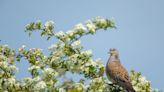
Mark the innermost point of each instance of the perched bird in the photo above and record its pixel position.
(116, 73)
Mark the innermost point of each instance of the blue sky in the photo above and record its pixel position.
(139, 36)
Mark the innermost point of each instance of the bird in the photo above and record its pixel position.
(116, 72)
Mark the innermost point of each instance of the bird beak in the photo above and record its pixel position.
(108, 52)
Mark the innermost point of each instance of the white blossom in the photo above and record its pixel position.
(90, 62)
(33, 67)
(11, 81)
(4, 65)
(80, 87)
(49, 71)
(88, 52)
(22, 48)
(6, 45)
(36, 79)
(91, 27)
(13, 67)
(62, 90)
(134, 82)
(60, 34)
(80, 27)
(49, 24)
(76, 43)
(101, 21)
(53, 47)
(74, 56)
(86, 69)
(40, 85)
(70, 33)
(99, 63)
(142, 79)
(37, 24)
(70, 64)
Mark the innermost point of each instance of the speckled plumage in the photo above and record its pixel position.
(117, 73)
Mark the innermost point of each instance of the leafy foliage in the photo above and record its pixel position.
(65, 55)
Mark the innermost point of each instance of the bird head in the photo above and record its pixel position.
(113, 52)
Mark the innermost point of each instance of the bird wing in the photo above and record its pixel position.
(119, 73)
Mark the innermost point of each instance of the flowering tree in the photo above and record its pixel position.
(66, 55)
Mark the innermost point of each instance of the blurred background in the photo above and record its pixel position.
(139, 36)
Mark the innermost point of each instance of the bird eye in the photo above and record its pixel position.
(112, 49)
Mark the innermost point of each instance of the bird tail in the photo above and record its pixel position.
(130, 88)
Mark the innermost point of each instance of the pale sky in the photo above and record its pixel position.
(139, 36)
